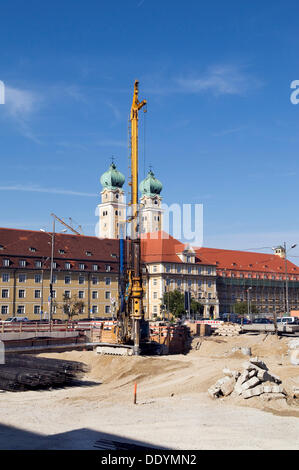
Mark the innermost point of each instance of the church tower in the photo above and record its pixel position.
(150, 204)
(112, 210)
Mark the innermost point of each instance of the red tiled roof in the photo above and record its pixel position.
(233, 260)
(162, 247)
(18, 244)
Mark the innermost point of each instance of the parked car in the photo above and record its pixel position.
(262, 321)
(15, 319)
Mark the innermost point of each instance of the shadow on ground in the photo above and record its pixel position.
(12, 438)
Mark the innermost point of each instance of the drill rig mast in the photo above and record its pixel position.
(130, 314)
(134, 271)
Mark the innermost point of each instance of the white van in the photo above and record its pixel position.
(287, 320)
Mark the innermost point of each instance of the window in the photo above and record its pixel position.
(32, 249)
(189, 283)
(107, 267)
(81, 294)
(36, 310)
(37, 294)
(179, 283)
(155, 282)
(107, 281)
(88, 253)
(199, 270)
(155, 309)
(4, 309)
(54, 278)
(209, 271)
(95, 267)
(107, 309)
(167, 268)
(67, 265)
(38, 264)
(189, 270)
(6, 262)
(81, 279)
(67, 294)
(209, 284)
(67, 279)
(94, 309)
(62, 252)
(54, 264)
(155, 269)
(94, 280)
(5, 293)
(21, 294)
(81, 266)
(54, 294)
(38, 278)
(22, 277)
(107, 295)
(155, 295)
(21, 309)
(22, 263)
(5, 277)
(94, 294)
(179, 269)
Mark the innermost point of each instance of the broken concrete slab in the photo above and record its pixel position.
(228, 386)
(253, 392)
(251, 383)
(256, 361)
(294, 357)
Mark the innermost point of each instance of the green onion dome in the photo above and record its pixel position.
(112, 178)
(150, 186)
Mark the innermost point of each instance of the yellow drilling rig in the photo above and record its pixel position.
(131, 333)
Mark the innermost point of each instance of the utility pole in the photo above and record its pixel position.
(51, 272)
(248, 303)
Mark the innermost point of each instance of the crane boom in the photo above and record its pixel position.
(65, 224)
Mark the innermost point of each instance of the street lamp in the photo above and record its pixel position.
(286, 274)
(248, 302)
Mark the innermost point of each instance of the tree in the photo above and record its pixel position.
(174, 302)
(241, 308)
(72, 306)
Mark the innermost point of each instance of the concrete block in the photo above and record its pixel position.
(274, 389)
(228, 386)
(250, 383)
(294, 357)
(232, 373)
(256, 361)
(273, 396)
(214, 392)
(294, 344)
(252, 392)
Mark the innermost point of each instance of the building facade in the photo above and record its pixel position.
(84, 268)
(263, 280)
(171, 265)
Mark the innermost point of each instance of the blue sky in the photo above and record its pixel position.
(220, 128)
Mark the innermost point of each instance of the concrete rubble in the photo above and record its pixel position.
(255, 380)
(228, 329)
(293, 351)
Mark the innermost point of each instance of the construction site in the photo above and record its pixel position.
(132, 383)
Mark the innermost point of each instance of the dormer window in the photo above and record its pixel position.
(62, 252)
(22, 263)
(88, 253)
(32, 249)
(81, 266)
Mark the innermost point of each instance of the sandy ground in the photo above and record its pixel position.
(173, 408)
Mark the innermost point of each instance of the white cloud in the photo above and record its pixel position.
(19, 187)
(20, 103)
